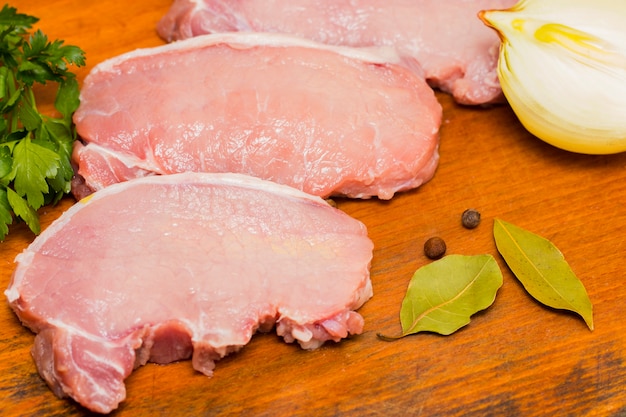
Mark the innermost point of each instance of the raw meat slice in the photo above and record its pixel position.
(327, 120)
(168, 267)
(457, 51)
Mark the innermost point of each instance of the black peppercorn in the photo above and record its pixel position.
(470, 218)
(434, 248)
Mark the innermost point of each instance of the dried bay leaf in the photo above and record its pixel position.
(443, 295)
(541, 268)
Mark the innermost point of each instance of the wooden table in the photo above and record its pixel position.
(517, 358)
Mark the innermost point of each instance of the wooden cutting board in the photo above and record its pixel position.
(517, 358)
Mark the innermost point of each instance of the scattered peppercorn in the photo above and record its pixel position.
(470, 218)
(434, 248)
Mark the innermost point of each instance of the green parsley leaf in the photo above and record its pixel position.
(67, 101)
(10, 17)
(6, 162)
(5, 213)
(22, 209)
(33, 164)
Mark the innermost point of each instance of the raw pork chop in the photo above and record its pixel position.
(169, 267)
(327, 120)
(457, 51)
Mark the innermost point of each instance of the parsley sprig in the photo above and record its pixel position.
(35, 149)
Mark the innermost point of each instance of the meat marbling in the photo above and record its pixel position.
(457, 52)
(324, 119)
(168, 267)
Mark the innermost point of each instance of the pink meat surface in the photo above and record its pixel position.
(457, 52)
(186, 265)
(324, 119)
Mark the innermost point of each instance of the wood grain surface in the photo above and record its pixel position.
(517, 358)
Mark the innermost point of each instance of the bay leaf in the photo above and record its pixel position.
(443, 295)
(542, 269)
